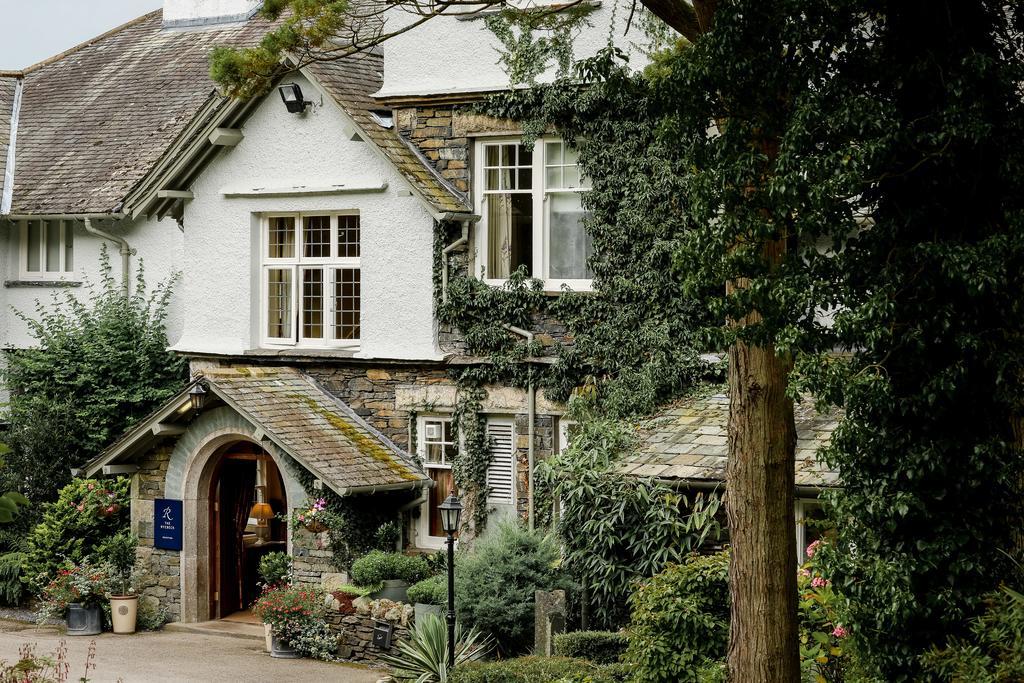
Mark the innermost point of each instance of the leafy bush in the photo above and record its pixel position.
(355, 591)
(151, 616)
(995, 651)
(12, 588)
(275, 569)
(680, 620)
(430, 591)
(538, 670)
(296, 615)
(118, 553)
(86, 513)
(496, 581)
(98, 367)
(617, 529)
(424, 657)
(600, 647)
(823, 651)
(377, 566)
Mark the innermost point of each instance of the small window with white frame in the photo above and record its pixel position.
(311, 279)
(437, 448)
(810, 517)
(532, 212)
(47, 250)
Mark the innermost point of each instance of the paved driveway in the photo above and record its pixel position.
(175, 656)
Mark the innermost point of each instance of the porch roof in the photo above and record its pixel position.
(688, 442)
(314, 427)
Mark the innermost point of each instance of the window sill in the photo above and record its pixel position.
(553, 287)
(15, 284)
(341, 352)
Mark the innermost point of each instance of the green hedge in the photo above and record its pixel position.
(377, 566)
(600, 647)
(539, 670)
(432, 591)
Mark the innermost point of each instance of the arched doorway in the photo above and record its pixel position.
(246, 493)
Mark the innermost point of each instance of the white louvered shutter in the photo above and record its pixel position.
(501, 473)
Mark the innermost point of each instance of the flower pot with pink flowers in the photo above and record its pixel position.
(294, 614)
(313, 516)
(77, 594)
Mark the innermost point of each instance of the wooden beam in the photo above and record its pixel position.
(165, 429)
(174, 194)
(225, 137)
(120, 469)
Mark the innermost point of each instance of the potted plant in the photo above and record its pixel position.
(291, 612)
(390, 574)
(119, 552)
(312, 516)
(275, 571)
(76, 593)
(429, 596)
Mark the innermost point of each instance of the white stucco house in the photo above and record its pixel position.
(311, 246)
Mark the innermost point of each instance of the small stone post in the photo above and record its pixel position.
(549, 620)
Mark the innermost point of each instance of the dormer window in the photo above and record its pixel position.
(532, 213)
(311, 280)
(47, 250)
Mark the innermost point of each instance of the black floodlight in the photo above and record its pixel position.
(291, 95)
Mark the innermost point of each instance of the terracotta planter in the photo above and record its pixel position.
(124, 611)
(282, 649)
(85, 620)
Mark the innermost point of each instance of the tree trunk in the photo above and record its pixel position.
(759, 502)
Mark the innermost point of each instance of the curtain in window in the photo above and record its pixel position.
(509, 233)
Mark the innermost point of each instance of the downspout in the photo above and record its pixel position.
(444, 259)
(126, 252)
(531, 411)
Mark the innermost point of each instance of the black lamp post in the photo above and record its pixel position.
(451, 510)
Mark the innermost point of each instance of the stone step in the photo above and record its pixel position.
(230, 629)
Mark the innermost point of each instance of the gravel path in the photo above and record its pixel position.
(175, 656)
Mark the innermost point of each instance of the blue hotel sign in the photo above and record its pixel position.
(167, 523)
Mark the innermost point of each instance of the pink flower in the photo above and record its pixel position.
(840, 632)
(805, 572)
(80, 507)
(92, 487)
(818, 582)
(813, 548)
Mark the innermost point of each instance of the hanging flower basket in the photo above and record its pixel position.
(314, 526)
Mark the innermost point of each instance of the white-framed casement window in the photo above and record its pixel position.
(310, 288)
(501, 473)
(47, 250)
(437, 449)
(532, 213)
(809, 515)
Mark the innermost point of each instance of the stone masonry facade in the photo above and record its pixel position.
(160, 570)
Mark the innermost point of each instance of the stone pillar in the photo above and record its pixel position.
(549, 621)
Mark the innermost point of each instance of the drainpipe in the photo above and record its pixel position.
(125, 249)
(444, 259)
(531, 411)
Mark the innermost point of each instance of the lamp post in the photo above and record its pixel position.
(451, 510)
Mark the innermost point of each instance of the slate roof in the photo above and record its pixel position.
(311, 425)
(688, 442)
(96, 118)
(315, 427)
(351, 82)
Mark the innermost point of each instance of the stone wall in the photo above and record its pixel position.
(355, 628)
(159, 570)
(312, 558)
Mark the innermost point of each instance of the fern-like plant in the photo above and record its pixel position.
(424, 657)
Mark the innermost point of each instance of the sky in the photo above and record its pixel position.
(33, 30)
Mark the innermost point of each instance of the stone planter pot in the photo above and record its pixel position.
(393, 590)
(423, 609)
(282, 649)
(84, 620)
(124, 611)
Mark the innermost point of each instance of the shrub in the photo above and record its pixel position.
(118, 553)
(538, 670)
(994, 653)
(12, 588)
(823, 647)
(377, 566)
(296, 615)
(496, 582)
(617, 529)
(600, 647)
(86, 513)
(424, 657)
(430, 591)
(151, 616)
(680, 620)
(98, 367)
(275, 569)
